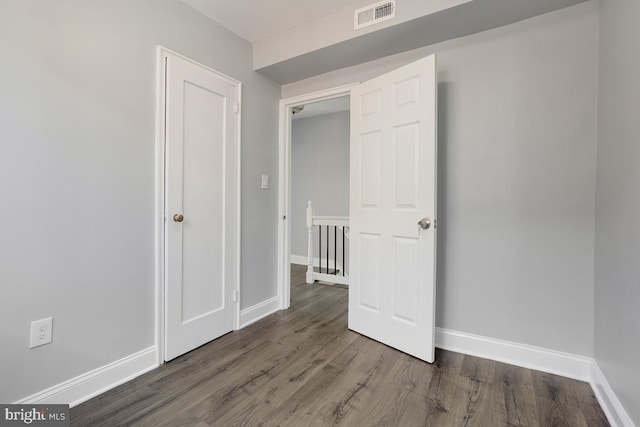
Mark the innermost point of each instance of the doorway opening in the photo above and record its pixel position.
(320, 136)
(392, 205)
(292, 232)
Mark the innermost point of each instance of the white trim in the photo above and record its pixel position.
(331, 278)
(302, 260)
(159, 208)
(162, 54)
(613, 409)
(541, 359)
(262, 309)
(284, 183)
(90, 384)
(528, 356)
(338, 221)
(236, 323)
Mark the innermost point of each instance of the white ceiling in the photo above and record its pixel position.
(323, 107)
(257, 19)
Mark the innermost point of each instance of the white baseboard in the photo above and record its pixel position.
(93, 383)
(254, 313)
(616, 414)
(541, 359)
(90, 384)
(302, 260)
(527, 356)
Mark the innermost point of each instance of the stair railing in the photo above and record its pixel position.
(338, 226)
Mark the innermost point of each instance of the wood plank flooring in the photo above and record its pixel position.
(303, 367)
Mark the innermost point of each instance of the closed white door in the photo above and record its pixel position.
(201, 212)
(393, 208)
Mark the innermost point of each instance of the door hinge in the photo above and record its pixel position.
(236, 107)
(234, 296)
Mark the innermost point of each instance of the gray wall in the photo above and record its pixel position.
(77, 125)
(617, 267)
(517, 137)
(319, 171)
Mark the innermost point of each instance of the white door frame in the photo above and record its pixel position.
(160, 238)
(284, 183)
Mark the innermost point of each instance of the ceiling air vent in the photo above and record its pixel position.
(373, 14)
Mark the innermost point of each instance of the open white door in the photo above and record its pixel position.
(201, 204)
(393, 208)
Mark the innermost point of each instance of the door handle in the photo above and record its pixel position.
(424, 223)
(178, 218)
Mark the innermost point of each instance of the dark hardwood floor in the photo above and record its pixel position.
(303, 367)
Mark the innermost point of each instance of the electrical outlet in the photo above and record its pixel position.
(41, 332)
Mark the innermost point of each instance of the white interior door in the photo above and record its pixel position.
(201, 205)
(393, 188)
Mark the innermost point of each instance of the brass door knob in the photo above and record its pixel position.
(178, 218)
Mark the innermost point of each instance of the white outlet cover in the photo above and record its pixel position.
(41, 332)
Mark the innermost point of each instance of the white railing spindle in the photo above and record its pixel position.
(310, 242)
